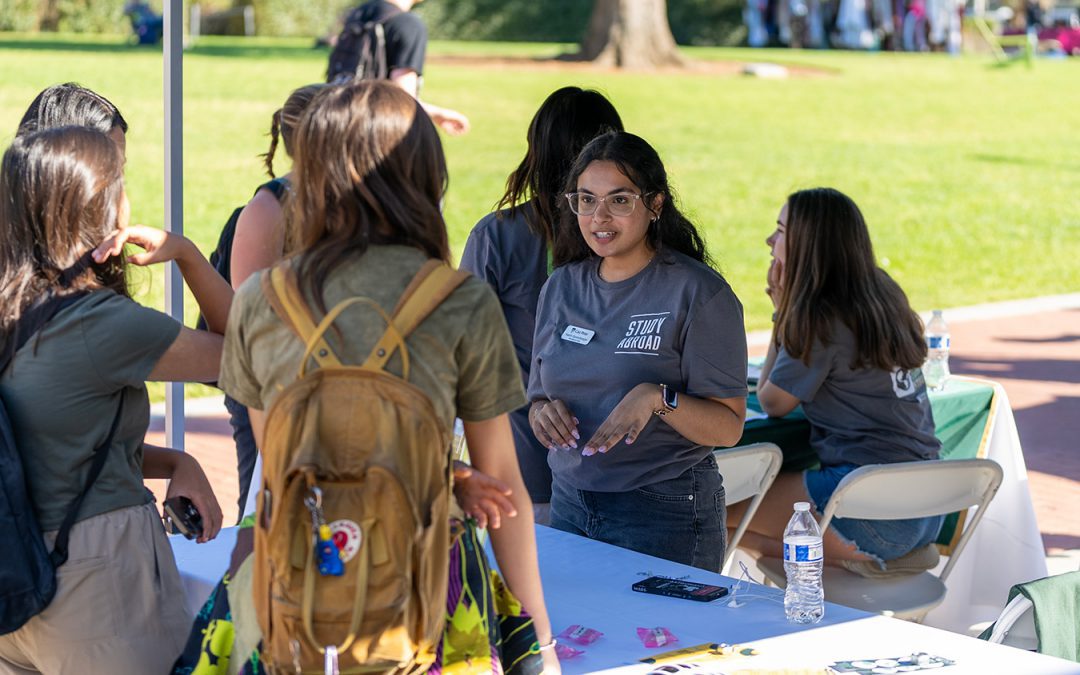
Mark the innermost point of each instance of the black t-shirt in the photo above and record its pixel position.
(406, 34)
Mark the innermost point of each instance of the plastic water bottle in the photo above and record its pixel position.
(936, 370)
(804, 599)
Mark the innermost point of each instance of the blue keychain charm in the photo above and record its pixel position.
(327, 556)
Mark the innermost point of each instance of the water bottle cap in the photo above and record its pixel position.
(802, 506)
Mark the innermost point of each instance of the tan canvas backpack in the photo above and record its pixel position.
(356, 475)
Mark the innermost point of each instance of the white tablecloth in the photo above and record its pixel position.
(1007, 547)
(588, 583)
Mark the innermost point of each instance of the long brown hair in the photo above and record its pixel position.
(284, 120)
(60, 196)
(830, 274)
(567, 120)
(368, 169)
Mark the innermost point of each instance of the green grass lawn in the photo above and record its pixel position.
(968, 174)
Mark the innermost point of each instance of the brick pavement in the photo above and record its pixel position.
(1032, 348)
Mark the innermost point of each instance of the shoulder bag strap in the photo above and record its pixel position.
(32, 321)
(59, 553)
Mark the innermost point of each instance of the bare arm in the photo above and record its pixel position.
(716, 422)
(450, 121)
(774, 401)
(186, 479)
(491, 446)
(259, 241)
(195, 356)
(704, 421)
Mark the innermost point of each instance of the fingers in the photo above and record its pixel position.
(559, 424)
(207, 506)
(112, 246)
(462, 471)
(480, 516)
(610, 433)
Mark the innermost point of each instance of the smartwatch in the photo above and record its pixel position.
(669, 399)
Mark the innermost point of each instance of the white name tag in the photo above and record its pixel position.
(582, 336)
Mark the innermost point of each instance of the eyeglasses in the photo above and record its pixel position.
(618, 204)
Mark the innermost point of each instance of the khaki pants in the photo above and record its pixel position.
(119, 607)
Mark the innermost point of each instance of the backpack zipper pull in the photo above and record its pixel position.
(330, 661)
(327, 556)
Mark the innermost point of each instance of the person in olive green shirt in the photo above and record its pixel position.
(118, 606)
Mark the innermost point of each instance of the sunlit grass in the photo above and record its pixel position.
(968, 174)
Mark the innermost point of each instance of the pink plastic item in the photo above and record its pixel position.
(656, 637)
(581, 635)
(564, 652)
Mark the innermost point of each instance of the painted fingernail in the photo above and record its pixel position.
(588, 452)
(573, 445)
(603, 448)
(575, 433)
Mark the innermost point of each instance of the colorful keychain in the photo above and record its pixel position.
(327, 555)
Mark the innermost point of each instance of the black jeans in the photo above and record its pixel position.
(246, 451)
(682, 519)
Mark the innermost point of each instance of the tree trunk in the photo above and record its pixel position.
(49, 18)
(630, 34)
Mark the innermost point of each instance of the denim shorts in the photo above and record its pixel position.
(879, 539)
(681, 519)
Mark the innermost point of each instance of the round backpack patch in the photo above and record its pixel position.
(347, 537)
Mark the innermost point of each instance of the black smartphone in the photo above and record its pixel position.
(181, 517)
(677, 588)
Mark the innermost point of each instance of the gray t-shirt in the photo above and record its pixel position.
(62, 392)
(676, 322)
(858, 416)
(504, 252)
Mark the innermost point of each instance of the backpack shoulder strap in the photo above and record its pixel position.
(59, 553)
(432, 284)
(32, 320)
(280, 289)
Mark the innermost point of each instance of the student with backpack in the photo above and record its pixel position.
(511, 248)
(254, 239)
(384, 40)
(355, 532)
(75, 396)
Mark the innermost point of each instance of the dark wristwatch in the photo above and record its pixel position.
(670, 400)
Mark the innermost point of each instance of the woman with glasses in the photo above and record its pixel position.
(639, 363)
(511, 248)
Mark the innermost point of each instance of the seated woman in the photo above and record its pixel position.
(639, 356)
(362, 220)
(80, 382)
(848, 347)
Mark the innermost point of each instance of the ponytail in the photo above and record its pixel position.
(275, 133)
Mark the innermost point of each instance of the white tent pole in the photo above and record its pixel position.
(174, 197)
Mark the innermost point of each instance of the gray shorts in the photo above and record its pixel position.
(119, 604)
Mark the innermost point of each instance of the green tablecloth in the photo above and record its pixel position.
(961, 411)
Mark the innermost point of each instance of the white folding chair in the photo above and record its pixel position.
(748, 471)
(894, 492)
(1016, 625)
